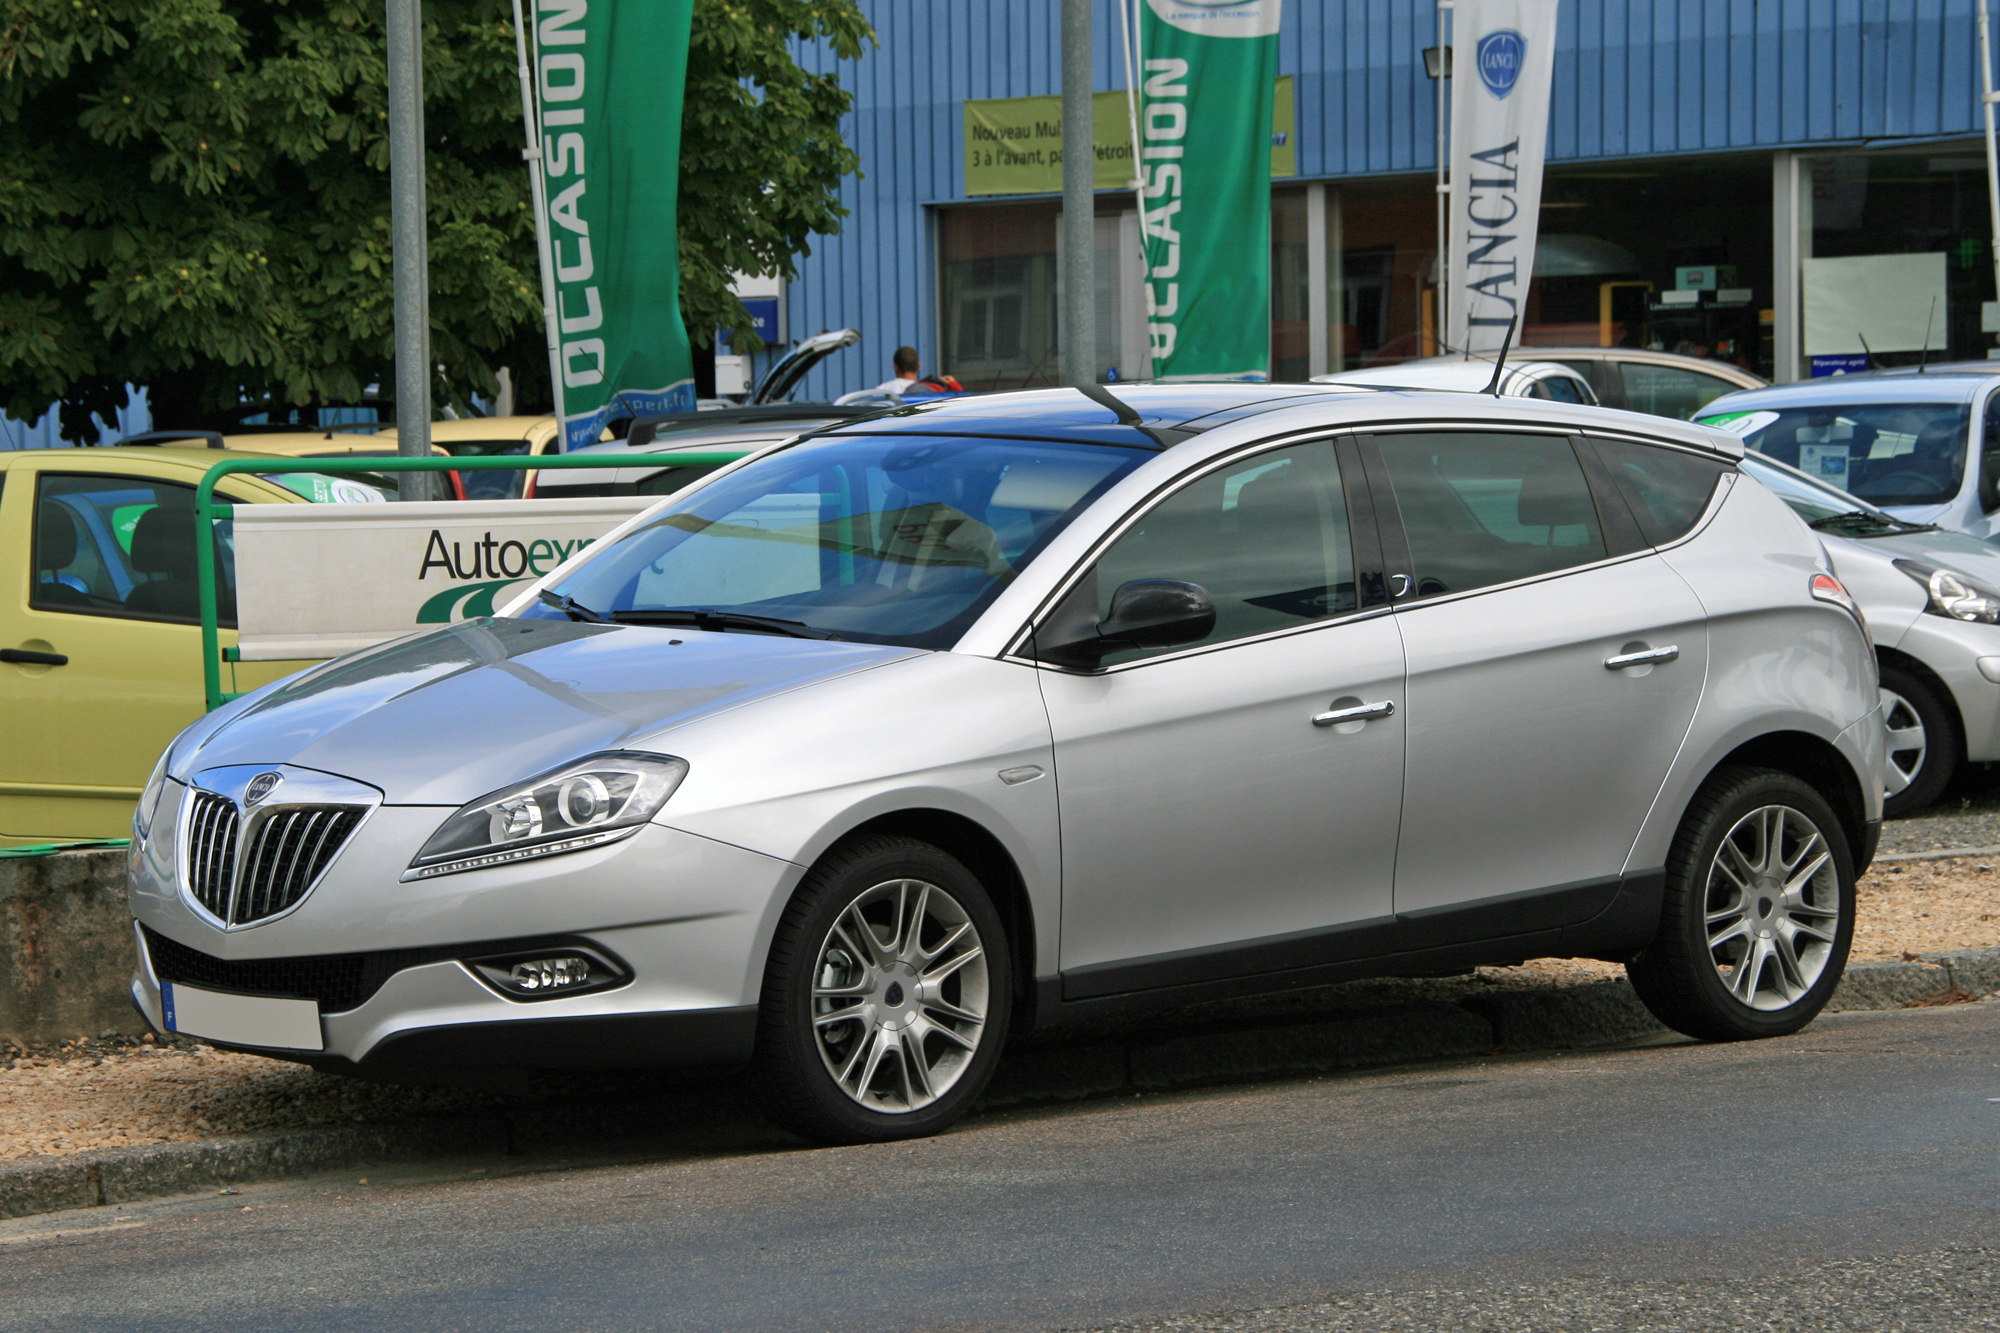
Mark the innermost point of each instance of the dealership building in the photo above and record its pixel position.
(1739, 179)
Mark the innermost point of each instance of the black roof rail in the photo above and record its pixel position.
(214, 437)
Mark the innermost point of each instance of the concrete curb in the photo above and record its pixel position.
(1942, 854)
(1363, 1025)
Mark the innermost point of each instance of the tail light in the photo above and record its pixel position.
(1827, 588)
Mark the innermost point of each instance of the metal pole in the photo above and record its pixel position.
(1992, 157)
(408, 239)
(1445, 67)
(1079, 266)
(533, 154)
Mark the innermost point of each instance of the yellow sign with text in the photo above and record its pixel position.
(1013, 145)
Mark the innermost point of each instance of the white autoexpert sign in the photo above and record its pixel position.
(1503, 61)
(315, 581)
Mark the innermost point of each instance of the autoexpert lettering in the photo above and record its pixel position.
(497, 560)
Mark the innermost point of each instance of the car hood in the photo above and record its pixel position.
(1946, 550)
(445, 717)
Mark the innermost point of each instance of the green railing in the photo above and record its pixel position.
(206, 509)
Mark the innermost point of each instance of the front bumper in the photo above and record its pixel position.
(690, 919)
(1953, 650)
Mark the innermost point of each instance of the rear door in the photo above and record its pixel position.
(1554, 668)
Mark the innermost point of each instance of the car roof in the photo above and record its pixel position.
(190, 463)
(1159, 416)
(1859, 390)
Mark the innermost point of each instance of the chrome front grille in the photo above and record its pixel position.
(242, 877)
(211, 851)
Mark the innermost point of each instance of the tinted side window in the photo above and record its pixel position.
(1670, 391)
(1561, 388)
(1481, 509)
(1989, 457)
(1666, 488)
(1267, 537)
(121, 546)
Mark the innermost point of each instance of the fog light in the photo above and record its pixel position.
(548, 974)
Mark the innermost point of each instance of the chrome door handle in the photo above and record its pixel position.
(1642, 658)
(1358, 713)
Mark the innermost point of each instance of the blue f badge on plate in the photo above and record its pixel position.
(1499, 57)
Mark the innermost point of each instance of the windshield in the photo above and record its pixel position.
(1888, 453)
(1821, 506)
(896, 539)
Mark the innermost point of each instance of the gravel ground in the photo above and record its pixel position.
(1944, 1289)
(115, 1092)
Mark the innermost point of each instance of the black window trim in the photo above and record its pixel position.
(1020, 647)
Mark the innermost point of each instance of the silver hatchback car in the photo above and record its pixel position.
(1003, 713)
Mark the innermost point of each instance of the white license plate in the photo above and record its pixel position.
(242, 1020)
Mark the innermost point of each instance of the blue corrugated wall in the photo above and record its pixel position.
(1633, 78)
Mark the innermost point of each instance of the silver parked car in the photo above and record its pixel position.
(1926, 448)
(1013, 711)
(1932, 599)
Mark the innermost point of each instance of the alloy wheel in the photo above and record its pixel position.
(899, 996)
(1772, 907)
(1908, 743)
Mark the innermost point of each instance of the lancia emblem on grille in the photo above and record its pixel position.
(261, 786)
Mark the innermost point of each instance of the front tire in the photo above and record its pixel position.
(1758, 911)
(1923, 742)
(886, 997)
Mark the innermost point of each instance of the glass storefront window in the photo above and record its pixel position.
(998, 289)
(1897, 253)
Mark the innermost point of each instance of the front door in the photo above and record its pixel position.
(1534, 755)
(109, 586)
(1210, 828)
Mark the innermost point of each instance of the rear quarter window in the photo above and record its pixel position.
(1667, 490)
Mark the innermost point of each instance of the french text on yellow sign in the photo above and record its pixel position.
(1013, 145)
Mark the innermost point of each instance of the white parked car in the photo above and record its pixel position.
(1458, 374)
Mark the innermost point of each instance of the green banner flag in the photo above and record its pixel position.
(1204, 148)
(609, 75)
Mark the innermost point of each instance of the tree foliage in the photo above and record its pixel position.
(194, 194)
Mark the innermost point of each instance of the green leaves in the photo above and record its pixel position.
(194, 194)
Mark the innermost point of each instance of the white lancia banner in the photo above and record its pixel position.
(316, 581)
(1502, 64)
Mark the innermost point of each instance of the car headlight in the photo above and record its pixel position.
(149, 797)
(1953, 594)
(591, 802)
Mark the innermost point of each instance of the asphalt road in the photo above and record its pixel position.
(1845, 1178)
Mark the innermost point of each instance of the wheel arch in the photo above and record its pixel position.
(1818, 764)
(1896, 659)
(987, 857)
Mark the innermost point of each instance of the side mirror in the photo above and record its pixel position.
(1145, 613)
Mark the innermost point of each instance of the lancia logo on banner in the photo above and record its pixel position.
(1500, 57)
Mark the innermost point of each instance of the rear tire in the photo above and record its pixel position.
(1758, 911)
(1922, 724)
(886, 997)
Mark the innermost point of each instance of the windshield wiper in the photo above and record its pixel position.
(717, 622)
(1886, 525)
(572, 608)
